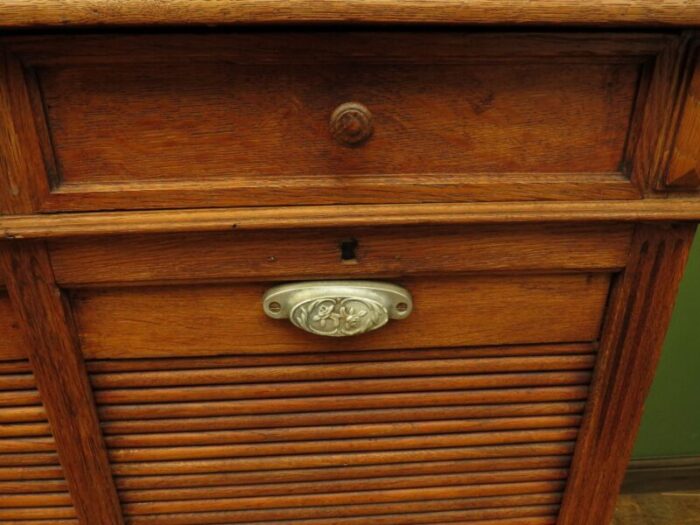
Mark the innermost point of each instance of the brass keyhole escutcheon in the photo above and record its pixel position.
(351, 124)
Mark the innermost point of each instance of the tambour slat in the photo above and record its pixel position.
(26, 445)
(339, 432)
(24, 429)
(43, 522)
(32, 487)
(331, 460)
(340, 417)
(35, 500)
(304, 404)
(477, 516)
(17, 367)
(463, 435)
(22, 414)
(32, 472)
(36, 513)
(238, 361)
(19, 398)
(343, 498)
(349, 445)
(343, 485)
(19, 381)
(477, 467)
(342, 370)
(309, 388)
(19, 459)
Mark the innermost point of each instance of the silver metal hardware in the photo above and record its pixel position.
(338, 308)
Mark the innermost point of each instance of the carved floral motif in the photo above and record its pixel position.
(339, 316)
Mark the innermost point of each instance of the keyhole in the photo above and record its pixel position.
(347, 251)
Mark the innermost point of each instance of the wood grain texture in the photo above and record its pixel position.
(640, 311)
(439, 440)
(23, 181)
(29, 488)
(177, 12)
(476, 515)
(479, 468)
(55, 357)
(379, 253)
(242, 119)
(683, 171)
(452, 311)
(11, 342)
(204, 220)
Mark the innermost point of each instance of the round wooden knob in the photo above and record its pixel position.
(351, 124)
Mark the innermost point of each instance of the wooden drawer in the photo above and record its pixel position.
(177, 296)
(243, 119)
(456, 311)
(466, 411)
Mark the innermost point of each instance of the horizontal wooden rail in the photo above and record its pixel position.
(175, 12)
(227, 219)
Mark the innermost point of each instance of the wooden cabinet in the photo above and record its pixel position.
(534, 192)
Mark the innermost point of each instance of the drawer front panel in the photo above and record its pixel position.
(448, 311)
(32, 486)
(244, 119)
(462, 434)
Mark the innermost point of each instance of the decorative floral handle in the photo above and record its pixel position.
(338, 308)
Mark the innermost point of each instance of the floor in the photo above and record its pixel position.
(658, 508)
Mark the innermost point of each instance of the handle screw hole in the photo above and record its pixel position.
(274, 307)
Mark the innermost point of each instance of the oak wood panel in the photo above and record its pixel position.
(313, 253)
(197, 121)
(11, 344)
(242, 119)
(176, 12)
(641, 306)
(54, 354)
(206, 220)
(172, 321)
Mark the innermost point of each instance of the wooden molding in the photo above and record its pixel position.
(639, 313)
(683, 170)
(139, 12)
(662, 474)
(227, 219)
(22, 172)
(62, 380)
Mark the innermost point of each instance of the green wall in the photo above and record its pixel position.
(671, 424)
